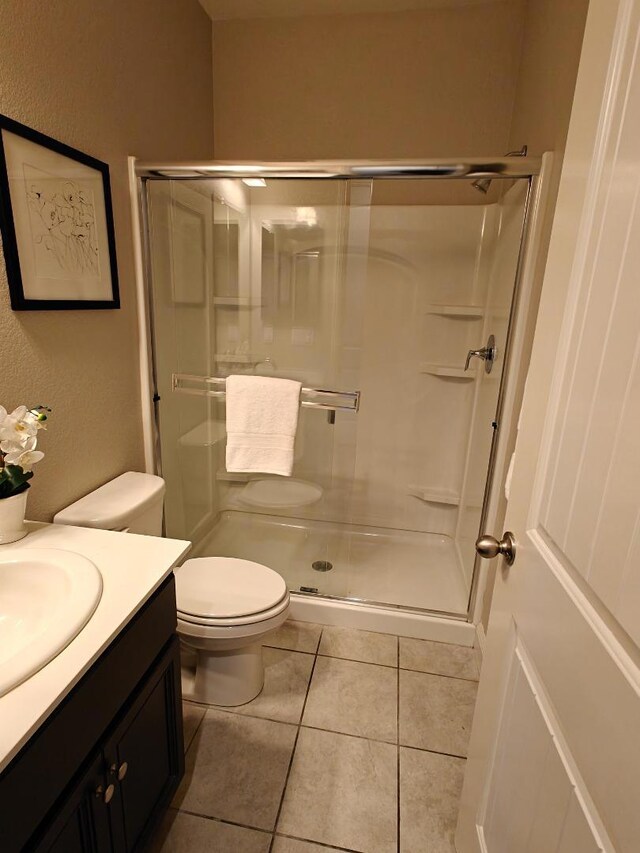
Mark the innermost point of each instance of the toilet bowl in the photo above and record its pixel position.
(225, 606)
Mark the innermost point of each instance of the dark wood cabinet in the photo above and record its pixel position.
(122, 785)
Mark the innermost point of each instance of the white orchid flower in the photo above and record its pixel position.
(9, 445)
(24, 456)
(16, 427)
(3, 414)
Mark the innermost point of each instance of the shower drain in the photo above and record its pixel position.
(322, 566)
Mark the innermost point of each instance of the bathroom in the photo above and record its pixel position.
(360, 199)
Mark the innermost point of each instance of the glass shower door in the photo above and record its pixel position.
(181, 254)
(505, 229)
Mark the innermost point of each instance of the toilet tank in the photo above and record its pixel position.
(132, 502)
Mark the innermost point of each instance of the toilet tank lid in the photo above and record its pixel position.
(112, 506)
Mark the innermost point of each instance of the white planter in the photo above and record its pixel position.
(12, 512)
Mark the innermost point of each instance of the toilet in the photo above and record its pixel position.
(226, 606)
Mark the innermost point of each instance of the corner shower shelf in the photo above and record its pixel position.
(471, 311)
(236, 302)
(236, 358)
(446, 371)
(434, 495)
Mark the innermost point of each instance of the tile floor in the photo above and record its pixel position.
(356, 743)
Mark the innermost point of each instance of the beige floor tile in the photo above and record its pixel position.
(342, 791)
(237, 769)
(438, 658)
(294, 845)
(430, 787)
(353, 698)
(359, 645)
(297, 636)
(191, 718)
(436, 712)
(286, 678)
(185, 833)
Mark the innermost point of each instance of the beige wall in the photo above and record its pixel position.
(429, 83)
(112, 79)
(553, 31)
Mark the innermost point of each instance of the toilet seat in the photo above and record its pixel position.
(226, 591)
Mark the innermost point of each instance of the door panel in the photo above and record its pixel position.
(533, 760)
(145, 754)
(554, 759)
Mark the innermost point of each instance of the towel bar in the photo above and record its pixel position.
(312, 398)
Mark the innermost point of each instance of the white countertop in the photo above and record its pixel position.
(132, 568)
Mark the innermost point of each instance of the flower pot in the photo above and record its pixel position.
(12, 511)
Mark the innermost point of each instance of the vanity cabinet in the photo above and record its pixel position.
(99, 774)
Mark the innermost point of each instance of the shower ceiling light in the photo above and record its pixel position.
(254, 182)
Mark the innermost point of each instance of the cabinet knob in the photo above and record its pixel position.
(106, 794)
(119, 772)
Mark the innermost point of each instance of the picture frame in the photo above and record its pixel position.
(56, 220)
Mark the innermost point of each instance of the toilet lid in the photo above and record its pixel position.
(225, 587)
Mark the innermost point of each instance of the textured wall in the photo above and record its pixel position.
(432, 83)
(112, 79)
(553, 31)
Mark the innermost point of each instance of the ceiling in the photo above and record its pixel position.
(221, 10)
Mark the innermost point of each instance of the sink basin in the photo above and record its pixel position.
(46, 597)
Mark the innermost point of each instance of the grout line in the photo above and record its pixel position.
(392, 742)
(284, 649)
(302, 725)
(375, 663)
(440, 674)
(224, 820)
(317, 843)
(356, 660)
(433, 751)
(295, 744)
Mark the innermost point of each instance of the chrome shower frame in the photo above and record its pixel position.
(469, 169)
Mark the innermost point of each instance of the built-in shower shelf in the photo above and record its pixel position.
(470, 311)
(435, 495)
(236, 302)
(236, 358)
(447, 371)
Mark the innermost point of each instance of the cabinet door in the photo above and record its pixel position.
(82, 824)
(145, 755)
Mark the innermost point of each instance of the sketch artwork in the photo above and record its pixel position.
(63, 225)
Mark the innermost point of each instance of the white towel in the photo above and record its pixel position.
(262, 418)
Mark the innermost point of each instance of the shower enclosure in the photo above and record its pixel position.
(387, 290)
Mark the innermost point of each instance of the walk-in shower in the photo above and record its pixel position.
(387, 290)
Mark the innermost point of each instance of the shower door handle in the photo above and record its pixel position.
(488, 354)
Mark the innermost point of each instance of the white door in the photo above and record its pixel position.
(554, 761)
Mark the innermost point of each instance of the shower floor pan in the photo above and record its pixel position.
(372, 564)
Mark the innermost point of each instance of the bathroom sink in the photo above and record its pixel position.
(46, 597)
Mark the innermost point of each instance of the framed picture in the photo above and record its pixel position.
(57, 223)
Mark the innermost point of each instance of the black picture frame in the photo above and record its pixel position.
(90, 244)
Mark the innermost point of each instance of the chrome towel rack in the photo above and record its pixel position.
(312, 398)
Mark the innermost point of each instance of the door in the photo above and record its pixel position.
(82, 823)
(145, 755)
(554, 760)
